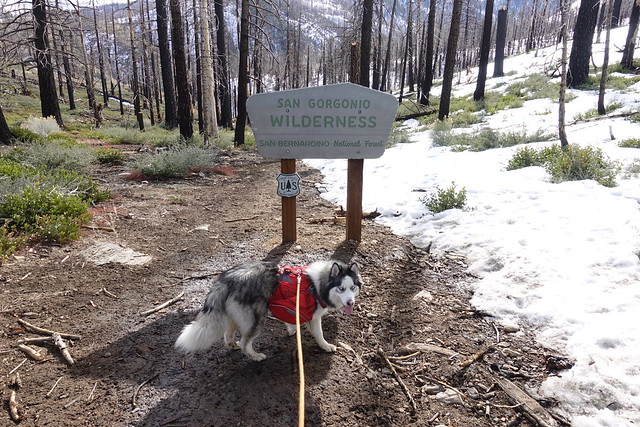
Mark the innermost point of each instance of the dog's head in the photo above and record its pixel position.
(343, 287)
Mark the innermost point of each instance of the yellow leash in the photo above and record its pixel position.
(300, 361)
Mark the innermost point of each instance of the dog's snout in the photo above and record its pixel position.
(351, 303)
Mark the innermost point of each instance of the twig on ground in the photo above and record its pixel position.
(59, 342)
(241, 219)
(71, 403)
(408, 356)
(425, 347)
(53, 388)
(90, 398)
(406, 391)
(476, 357)
(34, 354)
(17, 367)
(497, 331)
(137, 390)
(46, 331)
(96, 227)
(15, 411)
(106, 292)
(163, 305)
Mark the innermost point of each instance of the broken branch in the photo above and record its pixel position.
(406, 391)
(476, 357)
(15, 411)
(34, 354)
(43, 331)
(59, 342)
(135, 393)
(532, 408)
(163, 305)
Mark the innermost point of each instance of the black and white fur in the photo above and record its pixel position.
(238, 302)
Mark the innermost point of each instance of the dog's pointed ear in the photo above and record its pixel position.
(335, 270)
(354, 268)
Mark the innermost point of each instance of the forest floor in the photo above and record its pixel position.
(400, 353)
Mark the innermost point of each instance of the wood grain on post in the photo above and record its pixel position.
(354, 199)
(289, 231)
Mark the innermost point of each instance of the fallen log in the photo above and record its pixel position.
(530, 406)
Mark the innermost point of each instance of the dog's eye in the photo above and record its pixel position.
(353, 288)
(340, 288)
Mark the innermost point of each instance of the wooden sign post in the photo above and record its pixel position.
(342, 121)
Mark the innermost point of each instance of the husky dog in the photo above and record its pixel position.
(238, 302)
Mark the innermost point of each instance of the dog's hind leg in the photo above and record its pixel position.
(249, 322)
(230, 335)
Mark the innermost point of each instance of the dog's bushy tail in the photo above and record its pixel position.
(209, 326)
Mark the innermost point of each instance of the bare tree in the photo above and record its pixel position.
(603, 78)
(450, 62)
(135, 83)
(185, 112)
(582, 42)
(501, 38)
(630, 45)
(365, 42)
(485, 46)
(46, 80)
(562, 134)
(223, 82)
(427, 80)
(243, 75)
(210, 119)
(166, 65)
(6, 137)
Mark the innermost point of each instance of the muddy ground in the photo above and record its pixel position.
(154, 240)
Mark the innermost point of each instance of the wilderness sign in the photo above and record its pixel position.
(342, 121)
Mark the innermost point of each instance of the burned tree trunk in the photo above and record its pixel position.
(166, 66)
(46, 81)
(185, 113)
(427, 81)
(450, 62)
(630, 45)
(582, 42)
(485, 46)
(501, 38)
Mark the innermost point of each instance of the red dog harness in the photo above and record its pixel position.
(283, 301)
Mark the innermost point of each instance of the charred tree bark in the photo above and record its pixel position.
(115, 55)
(146, 66)
(103, 79)
(377, 55)
(427, 81)
(166, 66)
(615, 20)
(223, 82)
(582, 41)
(243, 75)
(630, 45)
(48, 95)
(387, 58)
(67, 70)
(135, 83)
(6, 137)
(185, 113)
(485, 46)
(365, 42)
(450, 61)
(501, 38)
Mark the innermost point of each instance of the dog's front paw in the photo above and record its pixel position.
(330, 348)
(291, 329)
(258, 357)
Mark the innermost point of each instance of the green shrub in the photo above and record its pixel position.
(55, 155)
(444, 199)
(10, 242)
(579, 163)
(174, 163)
(635, 118)
(494, 102)
(632, 170)
(571, 164)
(25, 135)
(483, 139)
(630, 143)
(398, 136)
(45, 213)
(110, 156)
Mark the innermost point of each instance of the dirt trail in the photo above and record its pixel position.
(175, 236)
